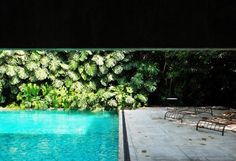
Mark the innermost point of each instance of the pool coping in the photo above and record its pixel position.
(126, 148)
(121, 145)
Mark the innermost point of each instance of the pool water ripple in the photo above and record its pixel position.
(59, 136)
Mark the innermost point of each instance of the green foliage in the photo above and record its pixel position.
(90, 69)
(29, 96)
(198, 77)
(83, 80)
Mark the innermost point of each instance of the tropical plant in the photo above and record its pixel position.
(91, 80)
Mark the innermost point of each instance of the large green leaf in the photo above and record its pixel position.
(10, 71)
(118, 55)
(73, 65)
(110, 62)
(142, 98)
(73, 75)
(90, 69)
(14, 80)
(22, 73)
(98, 59)
(84, 55)
(118, 69)
(35, 56)
(41, 73)
(103, 69)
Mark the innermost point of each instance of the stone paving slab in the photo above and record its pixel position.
(151, 138)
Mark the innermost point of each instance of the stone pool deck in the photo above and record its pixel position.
(151, 138)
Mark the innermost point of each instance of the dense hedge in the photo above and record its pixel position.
(91, 80)
(196, 77)
(110, 80)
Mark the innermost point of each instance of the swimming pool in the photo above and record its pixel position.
(58, 136)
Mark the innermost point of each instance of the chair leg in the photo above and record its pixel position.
(223, 131)
(197, 125)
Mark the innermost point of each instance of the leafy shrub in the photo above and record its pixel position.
(85, 80)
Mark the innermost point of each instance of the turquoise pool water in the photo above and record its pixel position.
(58, 136)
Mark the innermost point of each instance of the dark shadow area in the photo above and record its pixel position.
(196, 78)
(106, 24)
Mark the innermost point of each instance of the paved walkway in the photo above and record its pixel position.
(151, 138)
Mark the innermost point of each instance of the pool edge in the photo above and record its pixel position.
(124, 139)
(121, 145)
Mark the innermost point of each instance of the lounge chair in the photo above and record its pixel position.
(180, 113)
(176, 113)
(217, 123)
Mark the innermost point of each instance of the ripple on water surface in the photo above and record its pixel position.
(59, 136)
